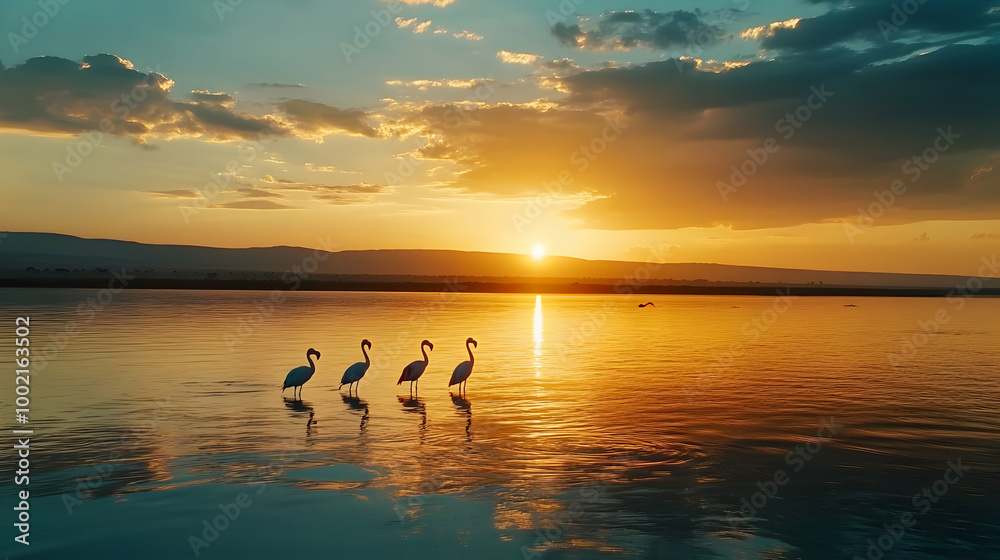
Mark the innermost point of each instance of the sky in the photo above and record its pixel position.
(826, 134)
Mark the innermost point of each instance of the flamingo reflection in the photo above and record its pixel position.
(357, 405)
(296, 405)
(463, 405)
(415, 405)
(298, 408)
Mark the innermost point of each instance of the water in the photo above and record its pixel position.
(590, 428)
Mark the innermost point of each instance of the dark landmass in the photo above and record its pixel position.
(540, 287)
(45, 260)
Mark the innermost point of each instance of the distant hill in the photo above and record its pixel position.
(34, 253)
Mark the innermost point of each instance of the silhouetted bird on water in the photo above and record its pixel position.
(647, 303)
(356, 371)
(298, 376)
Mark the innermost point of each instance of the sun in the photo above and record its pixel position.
(538, 252)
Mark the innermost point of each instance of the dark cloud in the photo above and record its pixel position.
(177, 193)
(360, 193)
(886, 106)
(877, 111)
(219, 98)
(258, 193)
(317, 119)
(881, 20)
(561, 64)
(688, 125)
(622, 30)
(106, 93)
(52, 95)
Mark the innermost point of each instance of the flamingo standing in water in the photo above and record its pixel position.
(298, 376)
(356, 371)
(413, 371)
(464, 369)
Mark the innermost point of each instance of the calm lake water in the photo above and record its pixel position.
(703, 427)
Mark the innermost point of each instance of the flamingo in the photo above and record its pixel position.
(464, 369)
(413, 371)
(356, 371)
(298, 376)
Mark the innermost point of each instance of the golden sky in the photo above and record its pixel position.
(829, 135)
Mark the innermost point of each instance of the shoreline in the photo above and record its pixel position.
(491, 287)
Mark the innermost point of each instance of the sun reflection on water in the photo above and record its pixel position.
(538, 335)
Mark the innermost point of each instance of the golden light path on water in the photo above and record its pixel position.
(538, 330)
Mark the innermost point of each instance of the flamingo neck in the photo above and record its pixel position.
(472, 359)
(309, 357)
(424, 352)
(365, 352)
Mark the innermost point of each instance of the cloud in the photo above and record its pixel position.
(418, 27)
(414, 25)
(509, 57)
(468, 35)
(274, 85)
(626, 30)
(270, 179)
(684, 125)
(220, 98)
(701, 124)
(312, 119)
(438, 3)
(57, 96)
(423, 85)
(321, 168)
(258, 193)
(561, 64)
(253, 205)
(876, 21)
(340, 195)
(765, 31)
(178, 193)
